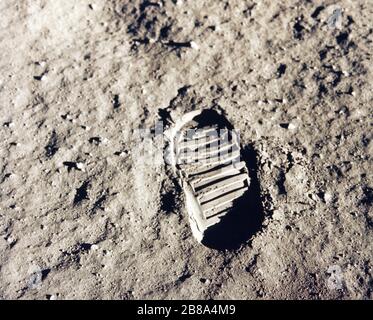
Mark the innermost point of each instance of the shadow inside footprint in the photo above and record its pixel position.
(245, 220)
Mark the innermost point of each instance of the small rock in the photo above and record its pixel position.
(80, 166)
(11, 240)
(328, 197)
(194, 45)
(292, 126)
(8, 124)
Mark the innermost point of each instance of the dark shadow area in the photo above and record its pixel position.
(81, 193)
(210, 117)
(245, 220)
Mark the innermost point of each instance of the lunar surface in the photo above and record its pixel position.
(90, 207)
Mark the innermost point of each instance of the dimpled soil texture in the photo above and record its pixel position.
(85, 214)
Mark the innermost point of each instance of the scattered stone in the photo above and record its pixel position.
(328, 197)
(292, 126)
(121, 153)
(194, 45)
(73, 165)
(11, 240)
(8, 124)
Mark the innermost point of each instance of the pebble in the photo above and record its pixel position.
(11, 240)
(194, 45)
(292, 126)
(9, 124)
(328, 197)
(80, 166)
